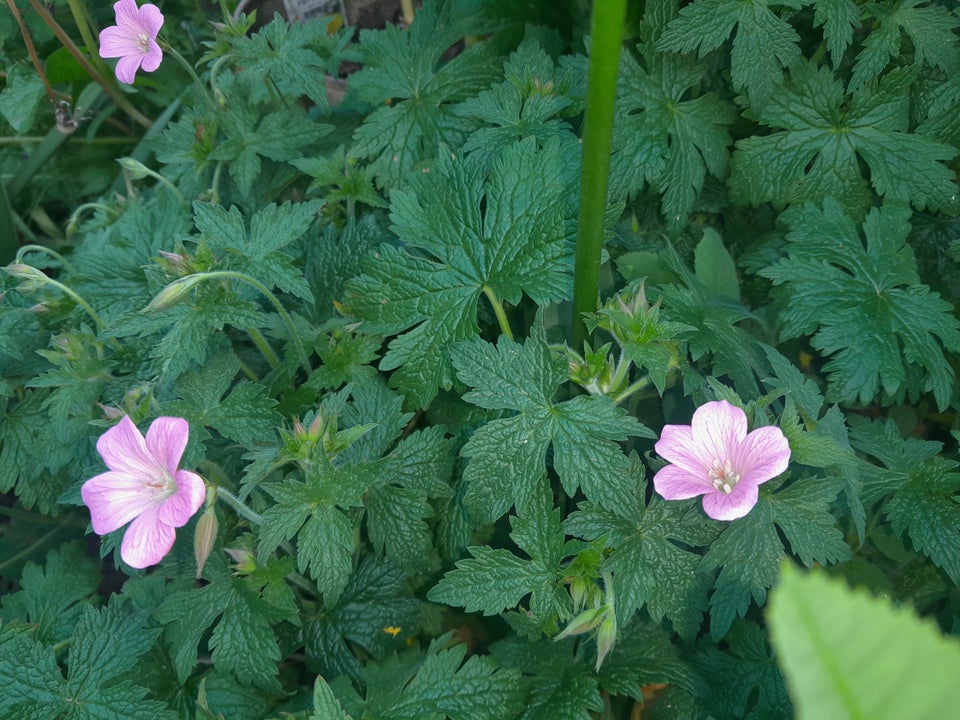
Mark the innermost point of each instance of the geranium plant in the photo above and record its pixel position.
(523, 360)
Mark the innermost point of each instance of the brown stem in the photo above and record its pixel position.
(28, 41)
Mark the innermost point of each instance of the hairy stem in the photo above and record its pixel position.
(606, 38)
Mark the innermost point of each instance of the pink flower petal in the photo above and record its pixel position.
(764, 454)
(676, 445)
(166, 440)
(127, 15)
(123, 449)
(126, 70)
(146, 541)
(718, 428)
(721, 506)
(151, 61)
(151, 19)
(114, 499)
(114, 42)
(674, 483)
(179, 508)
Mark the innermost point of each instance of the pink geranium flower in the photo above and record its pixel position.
(144, 484)
(133, 39)
(716, 458)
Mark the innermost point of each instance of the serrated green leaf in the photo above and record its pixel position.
(376, 611)
(749, 551)
(279, 136)
(507, 578)
(30, 680)
(817, 154)
(662, 137)
(839, 289)
(49, 596)
(259, 252)
(507, 457)
(440, 684)
(20, 97)
(647, 557)
(244, 415)
(925, 507)
(244, 643)
(404, 79)
(291, 56)
(763, 47)
(847, 654)
(518, 243)
(838, 18)
(325, 705)
(524, 105)
(931, 31)
(714, 266)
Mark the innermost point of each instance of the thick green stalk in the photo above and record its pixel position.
(606, 38)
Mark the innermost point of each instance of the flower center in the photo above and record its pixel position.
(143, 42)
(723, 476)
(162, 485)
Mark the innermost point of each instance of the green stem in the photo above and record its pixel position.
(77, 298)
(606, 39)
(263, 346)
(498, 311)
(27, 551)
(52, 253)
(638, 385)
(81, 19)
(176, 290)
(193, 73)
(242, 510)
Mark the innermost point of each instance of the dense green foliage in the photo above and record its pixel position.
(432, 506)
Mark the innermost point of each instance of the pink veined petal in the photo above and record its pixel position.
(151, 61)
(146, 541)
(127, 15)
(718, 429)
(122, 447)
(677, 446)
(126, 70)
(721, 506)
(114, 42)
(179, 508)
(166, 440)
(114, 499)
(674, 483)
(151, 19)
(764, 454)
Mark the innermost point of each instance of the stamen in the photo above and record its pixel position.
(723, 477)
(143, 42)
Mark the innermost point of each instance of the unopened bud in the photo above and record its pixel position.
(582, 623)
(172, 293)
(606, 636)
(204, 538)
(137, 169)
(30, 278)
(246, 562)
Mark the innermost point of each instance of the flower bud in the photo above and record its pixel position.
(204, 538)
(30, 277)
(606, 636)
(582, 623)
(246, 562)
(172, 293)
(137, 169)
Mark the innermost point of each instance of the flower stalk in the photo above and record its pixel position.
(606, 38)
